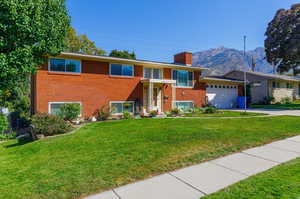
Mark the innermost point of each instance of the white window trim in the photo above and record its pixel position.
(193, 84)
(50, 103)
(160, 69)
(122, 66)
(111, 102)
(49, 68)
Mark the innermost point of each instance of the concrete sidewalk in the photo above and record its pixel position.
(272, 111)
(208, 177)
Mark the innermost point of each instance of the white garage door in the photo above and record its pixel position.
(222, 96)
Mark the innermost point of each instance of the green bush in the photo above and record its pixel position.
(153, 113)
(268, 100)
(175, 111)
(209, 109)
(69, 111)
(103, 113)
(3, 123)
(7, 136)
(127, 115)
(48, 125)
(286, 100)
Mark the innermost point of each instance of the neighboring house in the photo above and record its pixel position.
(126, 85)
(268, 85)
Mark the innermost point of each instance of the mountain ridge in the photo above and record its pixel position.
(222, 60)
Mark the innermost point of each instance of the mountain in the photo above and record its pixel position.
(222, 60)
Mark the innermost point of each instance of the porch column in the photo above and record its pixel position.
(173, 95)
(150, 96)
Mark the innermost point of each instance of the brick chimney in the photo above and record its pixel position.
(183, 58)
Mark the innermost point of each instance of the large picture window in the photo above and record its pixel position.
(152, 73)
(65, 65)
(54, 107)
(121, 70)
(184, 105)
(118, 107)
(183, 78)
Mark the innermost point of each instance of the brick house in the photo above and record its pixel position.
(123, 84)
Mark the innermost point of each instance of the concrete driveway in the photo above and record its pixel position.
(273, 111)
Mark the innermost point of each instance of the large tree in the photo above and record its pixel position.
(283, 40)
(80, 43)
(29, 30)
(123, 54)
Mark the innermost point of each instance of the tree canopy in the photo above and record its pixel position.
(122, 54)
(80, 43)
(29, 30)
(283, 39)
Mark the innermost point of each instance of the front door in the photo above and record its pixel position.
(156, 99)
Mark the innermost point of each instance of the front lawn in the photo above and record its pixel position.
(223, 113)
(295, 105)
(278, 183)
(104, 155)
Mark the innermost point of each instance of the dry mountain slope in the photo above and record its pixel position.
(222, 60)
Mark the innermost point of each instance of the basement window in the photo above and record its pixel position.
(184, 106)
(118, 107)
(54, 107)
(64, 65)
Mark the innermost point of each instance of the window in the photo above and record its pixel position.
(121, 70)
(275, 84)
(183, 78)
(65, 65)
(184, 105)
(54, 107)
(120, 107)
(289, 85)
(152, 73)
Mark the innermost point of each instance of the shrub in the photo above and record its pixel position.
(175, 111)
(69, 111)
(268, 100)
(48, 125)
(7, 136)
(286, 100)
(127, 115)
(103, 113)
(209, 109)
(153, 113)
(3, 123)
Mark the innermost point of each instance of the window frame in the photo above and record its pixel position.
(122, 66)
(193, 78)
(73, 102)
(121, 102)
(161, 72)
(187, 101)
(49, 65)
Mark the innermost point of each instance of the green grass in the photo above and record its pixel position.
(281, 182)
(104, 155)
(294, 106)
(223, 113)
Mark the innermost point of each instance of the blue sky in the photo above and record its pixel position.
(158, 29)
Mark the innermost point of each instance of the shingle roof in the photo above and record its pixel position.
(270, 76)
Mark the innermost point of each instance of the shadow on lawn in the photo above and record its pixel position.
(19, 143)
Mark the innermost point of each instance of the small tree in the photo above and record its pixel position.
(3, 123)
(69, 112)
(81, 44)
(122, 54)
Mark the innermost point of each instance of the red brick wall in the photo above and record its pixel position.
(196, 94)
(94, 88)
